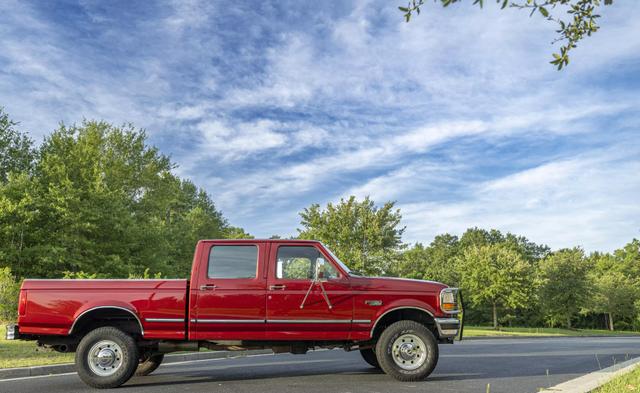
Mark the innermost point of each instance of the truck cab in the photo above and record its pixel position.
(287, 295)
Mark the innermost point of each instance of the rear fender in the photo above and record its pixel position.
(86, 311)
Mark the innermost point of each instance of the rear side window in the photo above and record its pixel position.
(233, 262)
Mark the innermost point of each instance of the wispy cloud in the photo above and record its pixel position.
(588, 200)
(272, 106)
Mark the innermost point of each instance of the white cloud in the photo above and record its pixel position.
(241, 139)
(590, 200)
(273, 108)
(387, 152)
(188, 14)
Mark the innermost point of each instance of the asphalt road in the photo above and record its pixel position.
(509, 365)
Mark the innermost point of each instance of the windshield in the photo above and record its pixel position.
(338, 261)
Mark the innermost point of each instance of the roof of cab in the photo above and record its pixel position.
(261, 240)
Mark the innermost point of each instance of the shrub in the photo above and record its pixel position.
(9, 290)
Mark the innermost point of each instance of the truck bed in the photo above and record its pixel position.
(50, 307)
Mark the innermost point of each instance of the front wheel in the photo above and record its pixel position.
(149, 364)
(106, 358)
(407, 351)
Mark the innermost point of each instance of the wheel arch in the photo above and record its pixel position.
(393, 314)
(115, 313)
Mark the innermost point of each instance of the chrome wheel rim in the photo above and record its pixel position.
(409, 352)
(105, 358)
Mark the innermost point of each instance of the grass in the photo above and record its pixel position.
(26, 353)
(482, 331)
(625, 383)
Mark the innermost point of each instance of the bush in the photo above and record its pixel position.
(67, 275)
(9, 290)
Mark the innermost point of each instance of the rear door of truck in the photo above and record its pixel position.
(230, 291)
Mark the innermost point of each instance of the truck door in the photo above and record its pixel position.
(230, 292)
(299, 307)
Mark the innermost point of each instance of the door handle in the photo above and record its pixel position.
(277, 287)
(207, 287)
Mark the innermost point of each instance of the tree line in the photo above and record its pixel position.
(97, 201)
(506, 279)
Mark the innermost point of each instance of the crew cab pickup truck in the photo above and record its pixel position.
(287, 295)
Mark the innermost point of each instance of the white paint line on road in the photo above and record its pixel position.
(587, 383)
(582, 352)
(36, 377)
(164, 365)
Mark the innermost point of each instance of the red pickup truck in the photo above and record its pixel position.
(287, 295)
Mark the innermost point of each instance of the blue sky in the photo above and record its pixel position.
(272, 106)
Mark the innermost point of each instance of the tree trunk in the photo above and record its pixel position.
(568, 321)
(495, 316)
(610, 322)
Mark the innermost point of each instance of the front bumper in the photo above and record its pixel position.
(13, 332)
(448, 328)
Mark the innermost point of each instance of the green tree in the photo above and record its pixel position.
(436, 262)
(19, 216)
(563, 285)
(9, 290)
(366, 237)
(580, 19)
(16, 149)
(615, 283)
(628, 259)
(495, 276)
(100, 200)
(477, 237)
(529, 250)
(614, 295)
(236, 233)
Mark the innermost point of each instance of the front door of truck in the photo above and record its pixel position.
(231, 291)
(299, 307)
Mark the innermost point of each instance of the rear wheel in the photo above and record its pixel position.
(106, 358)
(149, 364)
(369, 356)
(407, 351)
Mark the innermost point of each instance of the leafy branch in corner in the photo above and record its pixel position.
(580, 22)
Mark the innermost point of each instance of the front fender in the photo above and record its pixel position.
(401, 304)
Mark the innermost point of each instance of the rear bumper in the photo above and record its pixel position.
(448, 328)
(13, 332)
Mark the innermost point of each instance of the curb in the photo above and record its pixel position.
(589, 382)
(53, 369)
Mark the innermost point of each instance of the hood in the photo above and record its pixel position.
(400, 284)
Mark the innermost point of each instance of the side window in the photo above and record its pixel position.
(233, 262)
(299, 263)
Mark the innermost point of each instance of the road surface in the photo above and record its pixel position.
(509, 365)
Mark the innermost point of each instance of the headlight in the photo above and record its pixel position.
(449, 300)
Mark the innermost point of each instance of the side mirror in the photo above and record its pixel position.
(319, 272)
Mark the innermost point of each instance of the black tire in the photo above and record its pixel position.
(385, 351)
(124, 350)
(149, 364)
(369, 356)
